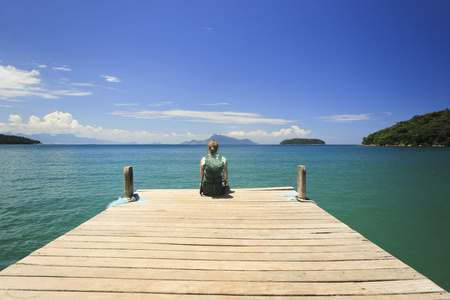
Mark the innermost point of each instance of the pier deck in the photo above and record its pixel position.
(251, 244)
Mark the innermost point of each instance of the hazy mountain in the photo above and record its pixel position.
(222, 140)
(46, 138)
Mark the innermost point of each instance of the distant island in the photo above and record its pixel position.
(16, 140)
(302, 142)
(222, 140)
(432, 129)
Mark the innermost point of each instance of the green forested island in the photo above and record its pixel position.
(432, 129)
(302, 142)
(16, 140)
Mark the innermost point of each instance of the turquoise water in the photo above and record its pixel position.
(396, 197)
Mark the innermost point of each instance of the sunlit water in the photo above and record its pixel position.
(396, 197)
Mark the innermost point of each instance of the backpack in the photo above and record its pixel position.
(212, 176)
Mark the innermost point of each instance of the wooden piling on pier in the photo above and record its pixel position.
(301, 182)
(128, 181)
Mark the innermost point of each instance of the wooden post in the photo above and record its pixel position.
(301, 182)
(128, 181)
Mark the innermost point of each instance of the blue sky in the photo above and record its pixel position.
(171, 71)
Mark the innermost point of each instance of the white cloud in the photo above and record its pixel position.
(21, 83)
(13, 100)
(165, 103)
(111, 78)
(346, 118)
(90, 84)
(83, 84)
(62, 68)
(125, 104)
(15, 119)
(42, 66)
(215, 104)
(12, 78)
(293, 131)
(71, 93)
(64, 123)
(203, 116)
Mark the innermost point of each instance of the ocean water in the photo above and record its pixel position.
(399, 198)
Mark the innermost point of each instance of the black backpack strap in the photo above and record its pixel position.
(201, 188)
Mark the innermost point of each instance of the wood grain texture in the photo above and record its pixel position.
(251, 243)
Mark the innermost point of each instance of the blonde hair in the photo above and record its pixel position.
(213, 146)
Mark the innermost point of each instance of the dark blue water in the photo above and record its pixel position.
(399, 198)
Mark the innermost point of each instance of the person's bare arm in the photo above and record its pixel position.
(201, 171)
(226, 171)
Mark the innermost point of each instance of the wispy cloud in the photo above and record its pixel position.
(208, 29)
(88, 84)
(41, 66)
(13, 100)
(158, 104)
(345, 118)
(111, 78)
(62, 68)
(125, 104)
(71, 93)
(215, 104)
(12, 78)
(203, 116)
(293, 131)
(21, 83)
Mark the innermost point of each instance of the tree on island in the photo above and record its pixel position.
(16, 140)
(432, 129)
(298, 141)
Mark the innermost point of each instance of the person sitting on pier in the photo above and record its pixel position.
(213, 172)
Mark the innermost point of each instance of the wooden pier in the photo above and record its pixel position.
(251, 244)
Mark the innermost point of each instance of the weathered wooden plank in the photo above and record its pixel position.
(158, 224)
(213, 275)
(210, 248)
(224, 288)
(45, 295)
(224, 255)
(196, 192)
(226, 214)
(215, 242)
(211, 264)
(293, 230)
(237, 234)
(149, 219)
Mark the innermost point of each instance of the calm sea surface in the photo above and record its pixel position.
(399, 198)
